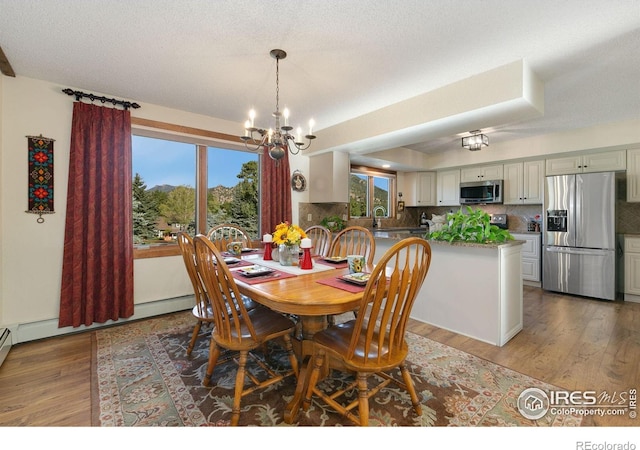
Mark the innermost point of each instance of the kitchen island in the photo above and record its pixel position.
(471, 289)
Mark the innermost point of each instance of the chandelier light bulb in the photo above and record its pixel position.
(285, 113)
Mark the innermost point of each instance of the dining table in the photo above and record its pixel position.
(310, 294)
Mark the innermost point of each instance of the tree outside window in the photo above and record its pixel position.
(370, 188)
(166, 193)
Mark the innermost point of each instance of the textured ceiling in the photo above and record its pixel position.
(345, 57)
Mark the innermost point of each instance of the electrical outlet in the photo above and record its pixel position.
(344, 217)
(309, 218)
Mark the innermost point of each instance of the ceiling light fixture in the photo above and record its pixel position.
(476, 141)
(276, 141)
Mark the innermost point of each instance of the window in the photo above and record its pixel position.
(168, 196)
(371, 190)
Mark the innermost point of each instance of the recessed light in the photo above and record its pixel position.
(386, 166)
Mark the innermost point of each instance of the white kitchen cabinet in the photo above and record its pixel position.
(481, 173)
(523, 183)
(531, 261)
(329, 178)
(592, 162)
(448, 182)
(632, 269)
(420, 189)
(633, 175)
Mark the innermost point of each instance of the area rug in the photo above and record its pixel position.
(143, 377)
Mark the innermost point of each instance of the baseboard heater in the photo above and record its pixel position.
(5, 343)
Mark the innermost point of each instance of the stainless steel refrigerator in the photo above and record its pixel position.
(578, 252)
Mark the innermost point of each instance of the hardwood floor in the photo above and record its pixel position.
(573, 343)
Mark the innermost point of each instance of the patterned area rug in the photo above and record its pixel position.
(144, 378)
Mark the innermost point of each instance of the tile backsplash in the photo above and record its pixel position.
(627, 215)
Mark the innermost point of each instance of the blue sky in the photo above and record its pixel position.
(165, 162)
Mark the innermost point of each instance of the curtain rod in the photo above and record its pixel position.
(92, 97)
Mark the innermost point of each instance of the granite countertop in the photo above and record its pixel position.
(476, 244)
(399, 235)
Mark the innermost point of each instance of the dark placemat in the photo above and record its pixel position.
(340, 284)
(273, 276)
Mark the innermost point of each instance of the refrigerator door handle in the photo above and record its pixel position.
(576, 251)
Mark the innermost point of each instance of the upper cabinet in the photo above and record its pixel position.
(448, 182)
(523, 183)
(329, 178)
(593, 162)
(633, 175)
(420, 189)
(481, 173)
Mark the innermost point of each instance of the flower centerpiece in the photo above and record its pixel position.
(287, 237)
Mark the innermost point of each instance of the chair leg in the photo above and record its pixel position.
(292, 357)
(194, 336)
(214, 354)
(318, 362)
(235, 412)
(406, 376)
(363, 399)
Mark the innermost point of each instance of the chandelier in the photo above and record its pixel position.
(279, 139)
(476, 141)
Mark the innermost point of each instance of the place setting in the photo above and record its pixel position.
(355, 281)
(254, 273)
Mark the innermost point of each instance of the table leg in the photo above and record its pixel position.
(310, 326)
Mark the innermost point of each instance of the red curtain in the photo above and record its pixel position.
(275, 192)
(97, 268)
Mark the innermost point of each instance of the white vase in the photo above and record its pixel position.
(289, 254)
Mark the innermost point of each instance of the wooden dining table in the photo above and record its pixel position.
(308, 299)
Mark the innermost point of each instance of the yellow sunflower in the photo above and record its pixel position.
(288, 234)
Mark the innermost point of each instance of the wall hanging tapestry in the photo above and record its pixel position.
(40, 176)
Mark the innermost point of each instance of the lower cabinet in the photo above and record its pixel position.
(531, 261)
(632, 269)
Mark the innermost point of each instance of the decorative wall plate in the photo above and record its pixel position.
(298, 181)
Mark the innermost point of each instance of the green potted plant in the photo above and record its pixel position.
(472, 226)
(333, 223)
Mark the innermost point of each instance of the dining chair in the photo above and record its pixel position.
(374, 342)
(238, 329)
(202, 309)
(320, 239)
(224, 233)
(354, 240)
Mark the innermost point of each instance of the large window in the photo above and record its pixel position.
(185, 186)
(371, 190)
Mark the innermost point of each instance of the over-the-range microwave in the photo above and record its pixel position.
(476, 192)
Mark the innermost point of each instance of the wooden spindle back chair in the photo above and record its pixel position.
(320, 239)
(239, 329)
(374, 342)
(354, 240)
(224, 233)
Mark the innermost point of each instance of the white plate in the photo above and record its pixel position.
(335, 259)
(356, 278)
(231, 260)
(255, 271)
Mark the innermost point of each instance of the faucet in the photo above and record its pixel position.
(376, 221)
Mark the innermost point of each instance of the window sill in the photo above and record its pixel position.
(156, 251)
